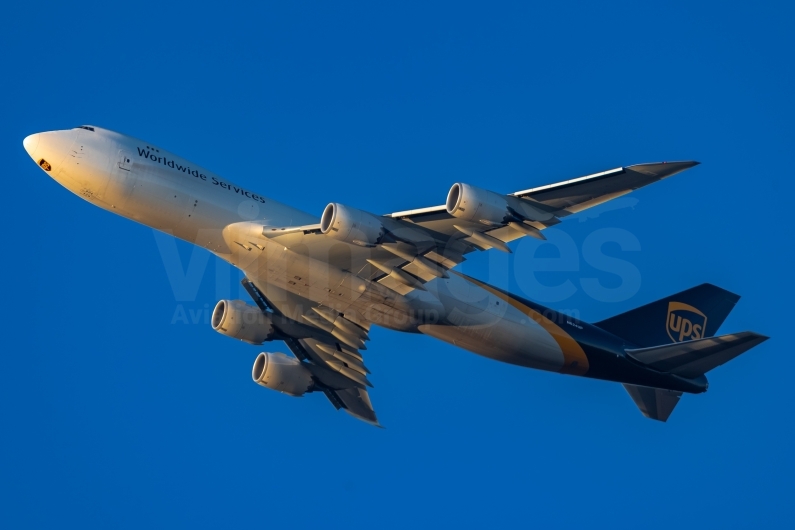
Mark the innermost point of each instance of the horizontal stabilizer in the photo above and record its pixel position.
(654, 403)
(693, 358)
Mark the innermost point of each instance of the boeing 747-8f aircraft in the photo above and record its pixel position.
(319, 284)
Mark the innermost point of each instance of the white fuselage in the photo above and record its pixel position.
(148, 184)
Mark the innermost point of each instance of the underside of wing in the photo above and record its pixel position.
(403, 251)
(491, 220)
(328, 345)
(402, 259)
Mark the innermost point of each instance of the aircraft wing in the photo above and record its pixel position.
(342, 372)
(329, 345)
(420, 245)
(546, 204)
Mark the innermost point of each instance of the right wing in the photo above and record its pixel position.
(350, 395)
(328, 344)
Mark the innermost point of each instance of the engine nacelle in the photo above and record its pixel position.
(474, 204)
(283, 373)
(235, 318)
(351, 225)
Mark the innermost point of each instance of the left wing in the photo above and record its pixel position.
(543, 206)
(329, 345)
(416, 246)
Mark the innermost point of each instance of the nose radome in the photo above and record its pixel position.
(31, 143)
(49, 149)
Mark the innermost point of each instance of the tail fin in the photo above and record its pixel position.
(654, 403)
(689, 315)
(676, 335)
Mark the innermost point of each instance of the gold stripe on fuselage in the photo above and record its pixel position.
(575, 361)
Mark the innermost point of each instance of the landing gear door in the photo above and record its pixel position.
(125, 160)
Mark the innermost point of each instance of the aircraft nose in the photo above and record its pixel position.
(31, 143)
(49, 149)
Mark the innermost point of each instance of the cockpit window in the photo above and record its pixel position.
(86, 127)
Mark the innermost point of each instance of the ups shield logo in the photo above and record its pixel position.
(685, 322)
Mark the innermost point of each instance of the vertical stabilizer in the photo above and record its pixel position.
(689, 315)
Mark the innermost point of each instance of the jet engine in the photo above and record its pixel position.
(351, 225)
(474, 204)
(282, 373)
(235, 318)
(483, 206)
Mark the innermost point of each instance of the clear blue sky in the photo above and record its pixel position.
(117, 415)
